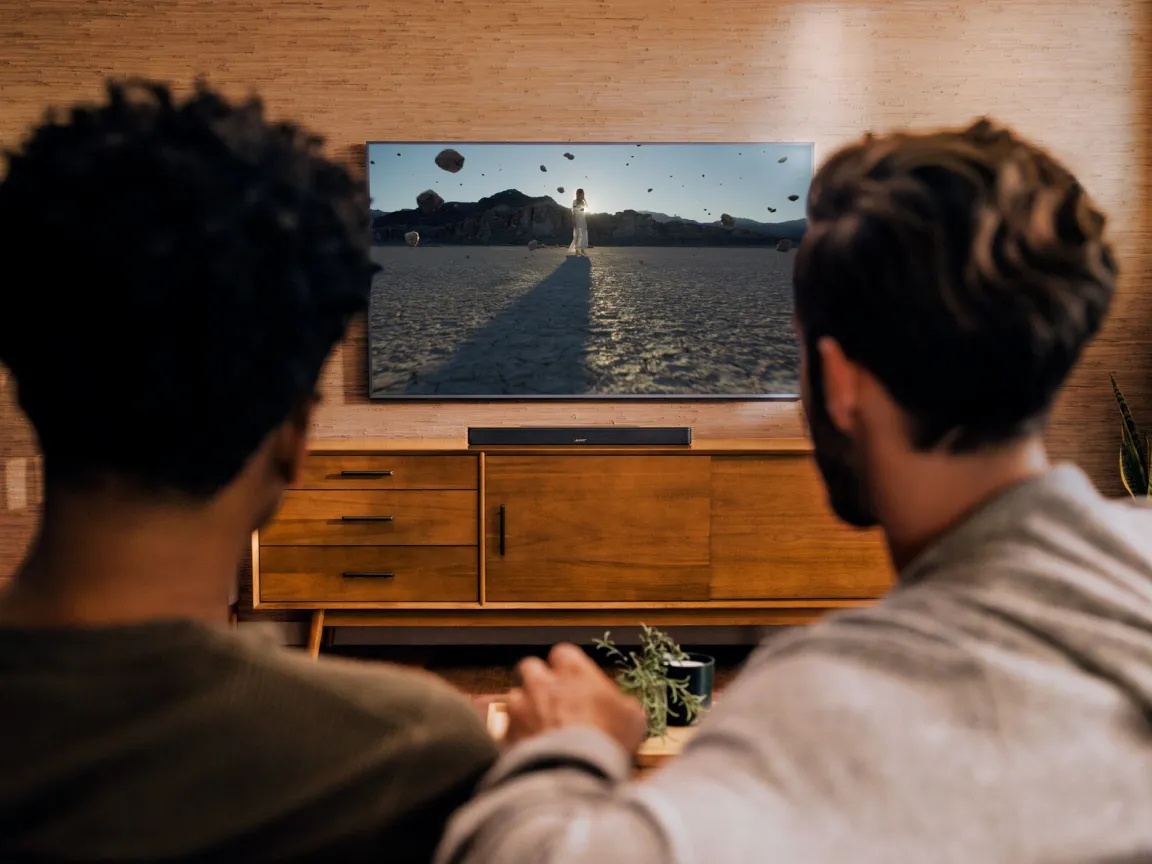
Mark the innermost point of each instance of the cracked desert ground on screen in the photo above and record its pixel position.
(505, 321)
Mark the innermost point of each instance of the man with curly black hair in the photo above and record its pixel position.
(178, 272)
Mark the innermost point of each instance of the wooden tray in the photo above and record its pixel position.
(653, 752)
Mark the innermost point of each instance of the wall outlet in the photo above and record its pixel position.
(16, 484)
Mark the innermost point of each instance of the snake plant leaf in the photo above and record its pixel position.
(1132, 473)
(1130, 430)
(1135, 464)
(1148, 462)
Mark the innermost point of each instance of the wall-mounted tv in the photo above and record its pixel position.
(583, 271)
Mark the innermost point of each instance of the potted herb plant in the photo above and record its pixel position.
(646, 675)
(1135, 450)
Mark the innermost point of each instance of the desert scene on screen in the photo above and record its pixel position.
(595, 270)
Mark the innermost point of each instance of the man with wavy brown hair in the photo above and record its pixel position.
(996, 706)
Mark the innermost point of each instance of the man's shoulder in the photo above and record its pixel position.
(1134, 517)
(869, 681)
(1057, 527)
(215, 736)
(345, 686)
(904, 630)
(333, 717)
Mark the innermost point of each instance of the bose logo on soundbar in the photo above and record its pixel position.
(579, 440)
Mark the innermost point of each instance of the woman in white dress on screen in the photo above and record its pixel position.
(579, 224)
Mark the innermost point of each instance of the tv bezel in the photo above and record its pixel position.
(566, 398)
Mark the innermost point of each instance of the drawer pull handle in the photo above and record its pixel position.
(367, 518)
(502, 522)
(359, 574)
(365, 474)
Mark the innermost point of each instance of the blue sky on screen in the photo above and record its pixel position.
(692, 181)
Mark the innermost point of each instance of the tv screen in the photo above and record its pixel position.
(577, 271)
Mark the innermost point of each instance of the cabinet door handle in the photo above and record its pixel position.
(502, 523)
(365, 474)
(367, 518)
(357, 574)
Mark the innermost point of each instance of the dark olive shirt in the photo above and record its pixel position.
(176, 741)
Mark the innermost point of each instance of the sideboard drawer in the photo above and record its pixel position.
(359, 517)
(319, 574)
(366, 471)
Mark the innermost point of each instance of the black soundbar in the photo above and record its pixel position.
(608, 436)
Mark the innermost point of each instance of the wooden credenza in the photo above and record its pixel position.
(434, 534)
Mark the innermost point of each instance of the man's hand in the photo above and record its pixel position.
(570, 690)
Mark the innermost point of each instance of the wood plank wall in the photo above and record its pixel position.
(1077, 76)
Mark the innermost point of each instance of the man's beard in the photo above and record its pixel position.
(836, 457)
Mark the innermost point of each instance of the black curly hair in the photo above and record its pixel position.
(177, 273)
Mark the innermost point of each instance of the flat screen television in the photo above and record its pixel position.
(585, 271)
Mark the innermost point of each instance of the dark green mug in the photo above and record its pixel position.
(699, 670)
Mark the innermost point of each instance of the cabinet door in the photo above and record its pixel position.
(592, 528)
(774, 536)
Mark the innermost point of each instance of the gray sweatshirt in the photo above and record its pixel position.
(995, 707)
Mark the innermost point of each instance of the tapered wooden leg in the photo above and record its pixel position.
(316, 633)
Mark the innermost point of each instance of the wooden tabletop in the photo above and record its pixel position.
(653, 752)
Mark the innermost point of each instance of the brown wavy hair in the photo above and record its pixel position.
(965, 268)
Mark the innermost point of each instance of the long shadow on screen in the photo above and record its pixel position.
(536, 347)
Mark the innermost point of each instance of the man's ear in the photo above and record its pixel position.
(290, 441)
(841, 380)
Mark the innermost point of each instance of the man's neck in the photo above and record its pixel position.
(106, 560)
(920, 498)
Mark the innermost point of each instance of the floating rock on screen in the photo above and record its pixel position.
(782, 159)
(429, 202)
(771, 209)
(569, 156)
(560, 189)
(649, 190)
(412, 238)
(784, 245)
(542, 168)
(727, 221)
(449, 160)
(793, 197)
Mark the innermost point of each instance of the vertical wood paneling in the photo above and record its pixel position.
(1077, 76)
